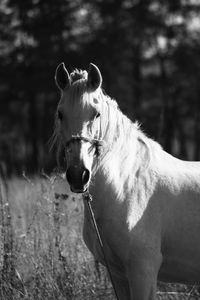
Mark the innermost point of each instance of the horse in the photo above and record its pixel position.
(145, 201)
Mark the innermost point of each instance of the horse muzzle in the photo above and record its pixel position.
(78, 178)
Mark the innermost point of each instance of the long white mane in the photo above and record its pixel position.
(128, 151)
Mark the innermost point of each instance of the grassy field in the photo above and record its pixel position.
(42, 254)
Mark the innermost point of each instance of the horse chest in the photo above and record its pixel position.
(113, 243)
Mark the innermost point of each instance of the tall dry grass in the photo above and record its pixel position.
(42, 254)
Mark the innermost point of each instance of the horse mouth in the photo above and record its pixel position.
(78, 190)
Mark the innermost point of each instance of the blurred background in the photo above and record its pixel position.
(147, 50)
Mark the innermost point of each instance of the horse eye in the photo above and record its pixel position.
(97, 115)
(60, 115)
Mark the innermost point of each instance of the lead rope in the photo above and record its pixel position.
(88, 198)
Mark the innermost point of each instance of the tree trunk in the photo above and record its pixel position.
(33, 133)
(137, 80)
(197, 135)
(166, 125)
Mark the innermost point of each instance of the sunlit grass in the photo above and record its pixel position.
(48, 256)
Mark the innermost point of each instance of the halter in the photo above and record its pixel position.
(97, 143)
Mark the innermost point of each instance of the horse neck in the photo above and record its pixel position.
(124, 150)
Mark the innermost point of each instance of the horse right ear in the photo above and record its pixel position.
(62, 77)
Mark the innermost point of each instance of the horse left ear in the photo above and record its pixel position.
(94, 78)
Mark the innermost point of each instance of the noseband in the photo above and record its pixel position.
(96, 143)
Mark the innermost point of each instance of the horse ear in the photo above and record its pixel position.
(94, 78)
(62, 77)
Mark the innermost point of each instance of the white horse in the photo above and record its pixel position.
(145, 201)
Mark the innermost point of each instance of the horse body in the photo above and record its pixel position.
(164, 235)
(180, 200)
(145, 201)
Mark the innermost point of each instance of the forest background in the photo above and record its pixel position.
(147, 50)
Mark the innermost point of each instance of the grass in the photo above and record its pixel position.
(42, 254)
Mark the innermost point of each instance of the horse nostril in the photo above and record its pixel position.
(77, 175)
(85, 176)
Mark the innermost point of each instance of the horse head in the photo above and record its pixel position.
(78, 122)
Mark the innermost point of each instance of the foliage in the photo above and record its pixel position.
(148, 52)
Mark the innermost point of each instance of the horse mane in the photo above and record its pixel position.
(127, 143)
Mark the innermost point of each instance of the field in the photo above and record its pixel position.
(42, 254)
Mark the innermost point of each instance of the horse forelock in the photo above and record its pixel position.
(78, 75)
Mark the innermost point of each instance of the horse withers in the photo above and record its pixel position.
(145, 201)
